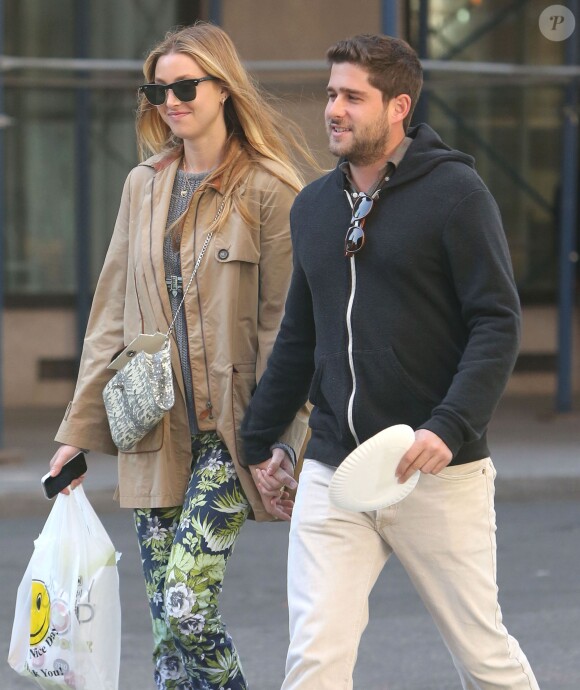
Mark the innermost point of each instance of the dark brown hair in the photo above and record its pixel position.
(393, 66)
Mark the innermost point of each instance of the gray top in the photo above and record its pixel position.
(183, 188)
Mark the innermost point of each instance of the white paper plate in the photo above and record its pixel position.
(366, 480)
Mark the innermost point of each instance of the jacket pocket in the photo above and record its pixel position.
(243, 386)
(230, 249)
(249, 368)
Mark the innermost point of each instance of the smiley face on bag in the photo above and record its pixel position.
(71, 577)
(39, 612)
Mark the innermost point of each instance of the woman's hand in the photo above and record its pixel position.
(62, 456)
(272, 477)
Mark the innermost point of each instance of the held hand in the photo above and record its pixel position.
(62, 456)
(272, 477)
(277, 472)
(428, 454)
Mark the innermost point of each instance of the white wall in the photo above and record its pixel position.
(29, 336)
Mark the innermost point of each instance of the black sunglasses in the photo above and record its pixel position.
(355, 235)
(185, 90)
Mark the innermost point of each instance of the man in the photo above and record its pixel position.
(417, 324)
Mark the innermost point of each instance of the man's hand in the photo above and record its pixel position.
(272, 477)
(62, 456)
(428, 454)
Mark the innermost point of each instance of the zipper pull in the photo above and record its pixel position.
(208, 412)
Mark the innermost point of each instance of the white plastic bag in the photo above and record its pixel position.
(67, 623)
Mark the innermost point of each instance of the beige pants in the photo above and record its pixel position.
(444, 535)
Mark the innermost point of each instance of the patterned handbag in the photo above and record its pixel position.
(139, 394)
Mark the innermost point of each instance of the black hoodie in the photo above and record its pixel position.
(431, 303)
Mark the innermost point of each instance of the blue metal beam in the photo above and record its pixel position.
(215, 12)
(421, 113)
(567, 229)
(423, 47)
(2, 233)
(83, 177)
(390, 17)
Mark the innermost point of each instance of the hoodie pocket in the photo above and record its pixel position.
(329, 392)
(406, 379)
(386, 393)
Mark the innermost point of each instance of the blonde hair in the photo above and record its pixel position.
(254, 127)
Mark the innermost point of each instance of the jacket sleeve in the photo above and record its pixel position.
(85, 422)
(275, 274)
(482, 275)
(278, 410)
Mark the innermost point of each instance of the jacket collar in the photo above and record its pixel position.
(171, 160)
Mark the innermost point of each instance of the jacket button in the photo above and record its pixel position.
(223, 254)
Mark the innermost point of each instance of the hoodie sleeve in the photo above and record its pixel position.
(482, 275)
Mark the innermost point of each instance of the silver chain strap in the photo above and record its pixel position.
(197, 264)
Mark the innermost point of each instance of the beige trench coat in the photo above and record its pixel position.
(233, 311)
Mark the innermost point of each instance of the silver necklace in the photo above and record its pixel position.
(187, 189)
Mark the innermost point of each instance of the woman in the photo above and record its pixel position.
(219, 165)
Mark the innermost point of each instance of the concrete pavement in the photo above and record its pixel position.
(538, 565)
(538, 457)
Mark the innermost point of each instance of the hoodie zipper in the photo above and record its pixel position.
(350, 348)
(350, 409)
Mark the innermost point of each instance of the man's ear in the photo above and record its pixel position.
(400, 106)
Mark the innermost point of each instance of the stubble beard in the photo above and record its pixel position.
(367, 147)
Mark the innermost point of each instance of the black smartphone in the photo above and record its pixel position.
(73, 469)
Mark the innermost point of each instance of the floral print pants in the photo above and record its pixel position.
(184, 551)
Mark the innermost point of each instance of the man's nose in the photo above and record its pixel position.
(335, 108)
